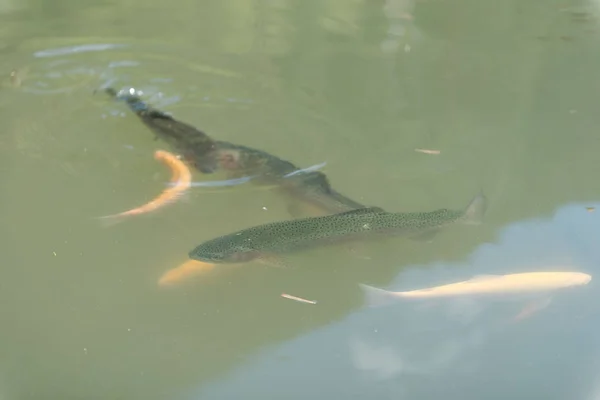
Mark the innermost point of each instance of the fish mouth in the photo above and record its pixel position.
(581, 279)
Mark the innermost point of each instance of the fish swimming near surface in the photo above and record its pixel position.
(184, 271)
(308, 192)
(181, 179)
(486, 285)
(265, 242)
(196, 147)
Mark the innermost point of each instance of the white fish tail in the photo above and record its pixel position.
(375, 297)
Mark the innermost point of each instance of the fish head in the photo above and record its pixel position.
(220, 251)
(579, 278)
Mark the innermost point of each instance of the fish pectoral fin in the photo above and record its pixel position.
(425, 236)
(272, 260)
(532, 308)
(476, 209)
(295, 210)
(298, 209)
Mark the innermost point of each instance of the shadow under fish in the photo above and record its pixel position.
(308, 192)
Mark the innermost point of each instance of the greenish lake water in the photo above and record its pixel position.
(505, 93)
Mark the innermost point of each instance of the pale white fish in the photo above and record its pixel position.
(527, 282)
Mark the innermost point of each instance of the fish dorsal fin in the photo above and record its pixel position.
(364, 210)
(483, 278)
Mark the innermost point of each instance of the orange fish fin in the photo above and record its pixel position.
(531, 308)
(375, 297)
(185, 271)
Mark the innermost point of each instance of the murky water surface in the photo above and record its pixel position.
(409, 105)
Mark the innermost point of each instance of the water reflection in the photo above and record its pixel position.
(407, 350)
(495, 86)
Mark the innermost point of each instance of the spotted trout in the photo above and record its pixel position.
(265, 241)
(310, 189)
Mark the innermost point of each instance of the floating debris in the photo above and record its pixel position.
(590, 209)
(428, 151)
(15, 79)
(300, 299)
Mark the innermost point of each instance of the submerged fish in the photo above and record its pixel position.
(265, 241)
(184, 271)
(181, 179)
(310, 187)
(527, 282)
(195, 146)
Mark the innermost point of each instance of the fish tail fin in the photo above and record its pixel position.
(108, 221)
(475, 210)
(375, 297)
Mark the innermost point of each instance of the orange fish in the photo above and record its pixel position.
(186, 270)
(181, 179)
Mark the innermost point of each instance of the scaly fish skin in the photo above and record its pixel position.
(289, 236)
(195, 146)
(209, 155)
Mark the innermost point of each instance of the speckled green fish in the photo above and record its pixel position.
(264, 242)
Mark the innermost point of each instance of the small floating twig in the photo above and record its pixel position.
(300, 299)
(427, 151)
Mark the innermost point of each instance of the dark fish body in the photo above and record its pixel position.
(209, 155)
(294, 235)
(195, 146)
